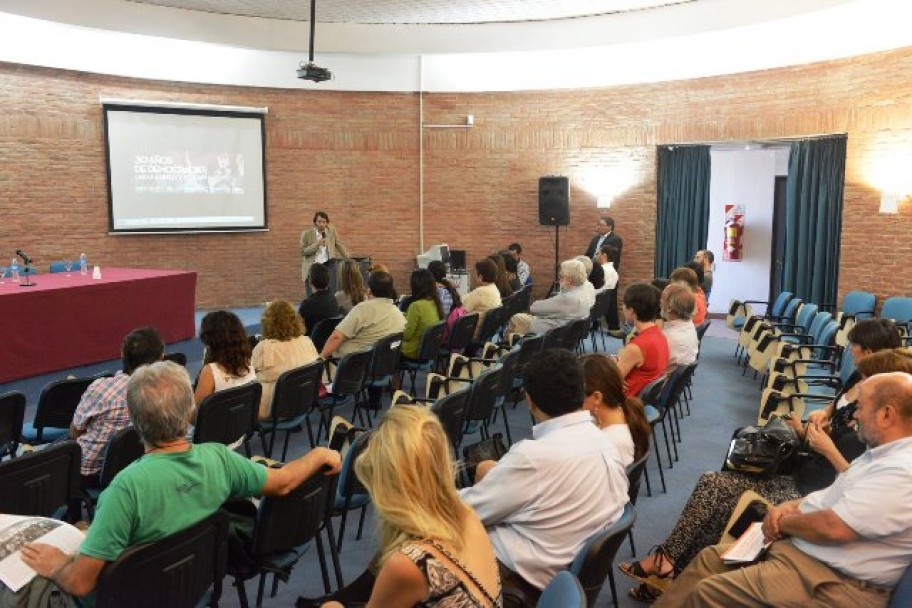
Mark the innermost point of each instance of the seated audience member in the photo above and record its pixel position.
(706, 259)
(283, 347)
(690, 277)
(501, 280)
(588, 288)
(226, 362)
(512, 270)
(645, 358)
(424, 311)
(845, 545)
(369, 321)
(486, 295)
(620, 417)
(595, 274)
(435, 550)
(523, 272)
(449, 295)
(547, 495)
(143, 504)
(102, 410)
(677, 308)
(833, 444)
(351, 285)
(320, 304)
(570, 304)
(607, 257)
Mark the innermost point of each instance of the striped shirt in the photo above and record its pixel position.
(101, 412)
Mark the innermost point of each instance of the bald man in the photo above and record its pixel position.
(845, 545)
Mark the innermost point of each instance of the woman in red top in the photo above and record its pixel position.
(646, 357)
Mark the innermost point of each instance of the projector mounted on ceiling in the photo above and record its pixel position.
(314, 73)
(311, 71)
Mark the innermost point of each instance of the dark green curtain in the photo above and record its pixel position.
(813, 220)
(683, 205)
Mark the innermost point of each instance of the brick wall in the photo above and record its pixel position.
(356, 155)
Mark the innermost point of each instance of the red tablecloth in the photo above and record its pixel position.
(65, 322)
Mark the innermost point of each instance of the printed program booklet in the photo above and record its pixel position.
(16, 531)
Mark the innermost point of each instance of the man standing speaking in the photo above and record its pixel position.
(320, 244)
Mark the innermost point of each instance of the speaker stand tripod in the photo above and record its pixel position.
(555, 286)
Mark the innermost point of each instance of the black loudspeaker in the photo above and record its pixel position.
(553, 201)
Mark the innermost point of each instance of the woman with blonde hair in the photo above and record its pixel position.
(622, 417)
(283, 347)
(351, 286)
(434, 550)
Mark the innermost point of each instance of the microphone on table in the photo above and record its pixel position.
(25, 258)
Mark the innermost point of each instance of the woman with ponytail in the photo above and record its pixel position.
(620, 416)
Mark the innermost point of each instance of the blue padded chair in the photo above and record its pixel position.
(859, 304)
(296, 392)
(595, 560)
(56, 407)
(350, 493)
(902, 593)
(60, 266)
(899, 309)
(564, 591)
(774, 312)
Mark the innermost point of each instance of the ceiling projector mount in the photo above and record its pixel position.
(310, 70)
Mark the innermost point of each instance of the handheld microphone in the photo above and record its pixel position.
(323, 234)
(25, 258)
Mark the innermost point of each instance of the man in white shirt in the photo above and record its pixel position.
(678, 305)
(849, 543)
(548, 495)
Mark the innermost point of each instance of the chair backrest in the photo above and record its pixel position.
(228, 415)
(579, 329)
(701, 329)
(493, 319)
(817, 325)
(12, 413)
(58, 402)
(349, 484)
(509, 364)
(175, 571)
(322, 330)
(791, 309)
(778, 306)
(176, 357)
(674, 386)
(286, 522)
(806, 317)
(385, 356)
(296, 390)
(123, 448)
(461, 333)
(450, 409)
(512, 303)
(897, 308)
(351, 373)
(846, 368)
(564, 591)
(527, 347)
(902, 593)
(635, 477)
(41, 482)
(483, 395)
(431, 341)
(596, 558)
(651, 393)
(861, 304)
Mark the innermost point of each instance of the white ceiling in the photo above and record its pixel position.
(416, 11)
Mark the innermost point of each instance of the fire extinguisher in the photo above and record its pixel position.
(734, 232)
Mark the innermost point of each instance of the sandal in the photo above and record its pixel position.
(636, 571)
(645, 593)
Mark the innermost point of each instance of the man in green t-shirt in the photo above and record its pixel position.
(173, 486)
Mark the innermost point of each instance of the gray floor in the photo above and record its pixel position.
(723, 400)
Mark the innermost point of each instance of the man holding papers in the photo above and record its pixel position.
(845, 545)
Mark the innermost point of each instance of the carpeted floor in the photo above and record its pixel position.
(722, 400)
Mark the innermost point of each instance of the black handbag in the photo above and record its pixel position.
(492, 448)
(762, 451)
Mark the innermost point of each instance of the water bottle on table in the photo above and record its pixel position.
(83, 264)
(14, 270)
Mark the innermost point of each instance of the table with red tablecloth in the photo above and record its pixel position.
(67, 321)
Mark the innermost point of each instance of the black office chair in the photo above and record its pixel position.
(12, 413)
(56, 407)
(634, 477)
(450, 409)
(348, 383)
(295, 395)
(175, 571)
(458, 337)
(595, 560)
(229, 416)
(428, 351)
(286, 526)
(123, 449)
(43, 483)
(350, 492)
(384, 365)
(323, 329)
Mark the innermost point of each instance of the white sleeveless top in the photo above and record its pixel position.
(225, 380)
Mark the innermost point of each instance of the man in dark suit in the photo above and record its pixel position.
(320, 304)
(605, 236)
